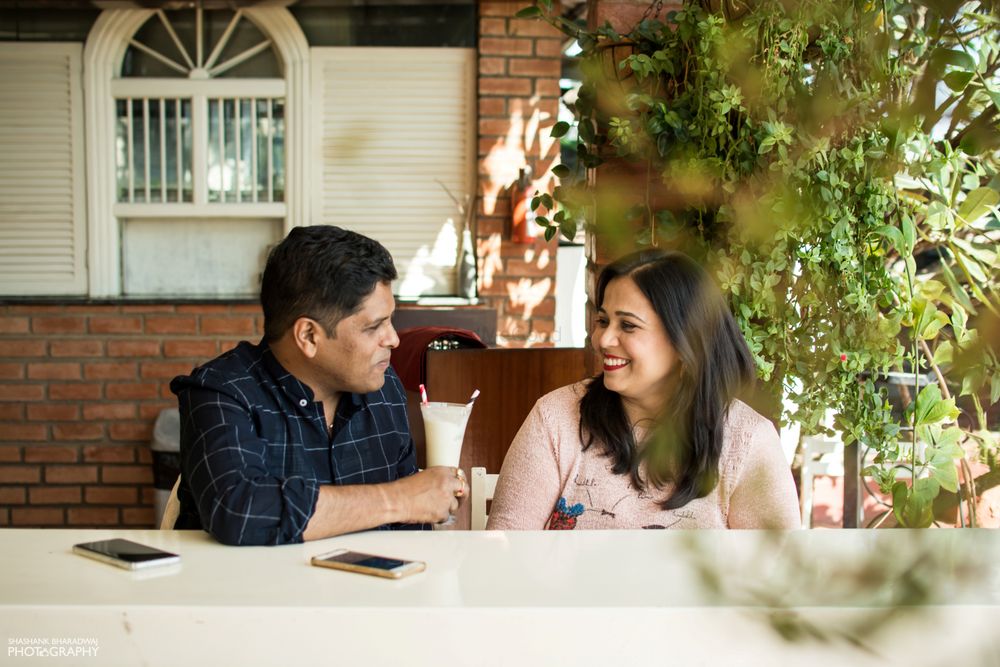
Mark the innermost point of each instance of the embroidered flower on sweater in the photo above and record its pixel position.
(563, 516)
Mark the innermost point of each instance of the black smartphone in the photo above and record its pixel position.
(125, 554)
(379, 566)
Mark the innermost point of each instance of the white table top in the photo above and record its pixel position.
(544, 589)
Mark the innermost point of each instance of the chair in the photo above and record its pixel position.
(172, 509)
(481, 489)
(820, 456)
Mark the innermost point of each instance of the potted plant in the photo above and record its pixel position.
(835, 165)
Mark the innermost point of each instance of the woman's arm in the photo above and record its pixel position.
(765, 495)
(529, 482)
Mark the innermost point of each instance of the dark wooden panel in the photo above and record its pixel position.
(509, 381)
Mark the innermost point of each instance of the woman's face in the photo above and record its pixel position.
(637, 356)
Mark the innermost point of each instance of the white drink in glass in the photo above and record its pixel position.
(444, 431)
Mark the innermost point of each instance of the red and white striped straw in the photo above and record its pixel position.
(423, 394)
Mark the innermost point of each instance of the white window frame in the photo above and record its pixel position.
(106, 46)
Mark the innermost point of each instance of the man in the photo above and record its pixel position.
(305, 435)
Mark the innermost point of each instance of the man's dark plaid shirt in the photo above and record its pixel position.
(255, 448)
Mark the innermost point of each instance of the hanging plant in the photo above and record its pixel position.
(835, 165)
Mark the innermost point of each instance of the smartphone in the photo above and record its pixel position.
(125, 554)
(379, 566)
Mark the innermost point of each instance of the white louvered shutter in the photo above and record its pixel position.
(392, 125)
(42, 206)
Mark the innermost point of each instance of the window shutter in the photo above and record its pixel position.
(42, 206)
(396, 127)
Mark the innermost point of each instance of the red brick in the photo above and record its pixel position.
(547, 67)
(4, 516)
(59, 325)
(108, 454)
(15, 432)
(227, 325)
(75, 392)
(133, 348)
(510, 326)
(138, 516)
(11, 412)
(54, 371)
(492, 66)
(13, 325)
(490, 226)
(505, 86)
(51, 454)
(505, 46)
(135, 390)
(55, 495)
(251, 308)
(517, 268)
(111, 495)
(205, 308)
(144, 455)
(36, 517)
(12, 495)
(131, 431)
(492, 26)
(542, 326)
(90, 309)
(505, 8)
(70, 474)
(45, 412)
(545, 308)
(76, 348)
(78, 431)
(191, 348)
(20, 474)
(119, 370)
(35, 308)
(165, 392)
(156, 324)
(547, 88)
(164, 369)
(150, 308)
(148, 494)
(548, 48)
(116, 325)
(18, 347)
(152, 410)
(11, 371)
(92, 516)
(109, 411)
(494, 126)
(492, 106)
(10, 453)
(111, 474)
(533, 28)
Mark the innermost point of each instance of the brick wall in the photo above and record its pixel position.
(80, 388)
(519, 69)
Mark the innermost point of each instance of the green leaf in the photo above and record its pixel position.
(559, 129)
(893, 234)
(528, 12)
(550, 232)
(995, 388)
(958, 81)
(931, 408)
(977, 204)
(568, 228)
(954, 57)
(944, 354)
(561, 171)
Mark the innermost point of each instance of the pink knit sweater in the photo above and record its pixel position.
(548, 482)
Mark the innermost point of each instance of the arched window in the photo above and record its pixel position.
(189, 138)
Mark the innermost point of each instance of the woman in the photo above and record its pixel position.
(658, 440)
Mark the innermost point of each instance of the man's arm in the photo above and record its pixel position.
(426, 497)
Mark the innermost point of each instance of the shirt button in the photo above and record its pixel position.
(303, 403)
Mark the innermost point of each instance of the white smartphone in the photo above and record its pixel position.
(125, 554)
(378, 566)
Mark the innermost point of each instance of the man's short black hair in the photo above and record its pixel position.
(322, 272)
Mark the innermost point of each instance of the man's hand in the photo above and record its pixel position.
(426, 497)
(431, 495)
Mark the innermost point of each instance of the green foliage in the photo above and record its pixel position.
(835, 165)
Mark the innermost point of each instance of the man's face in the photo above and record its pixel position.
(355, 359)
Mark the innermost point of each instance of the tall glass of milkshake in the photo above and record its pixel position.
(444, 431)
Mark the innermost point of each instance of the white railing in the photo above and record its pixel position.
(243, 162)
(154, 150)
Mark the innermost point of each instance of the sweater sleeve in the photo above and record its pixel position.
(529, 482)
(764, 496)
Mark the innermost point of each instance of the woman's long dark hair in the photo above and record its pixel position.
(714, 365)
